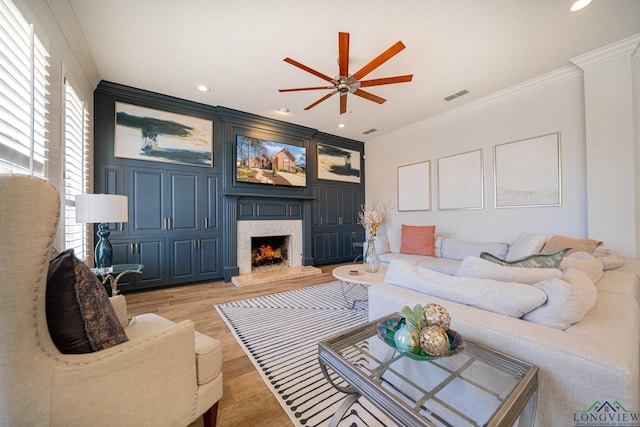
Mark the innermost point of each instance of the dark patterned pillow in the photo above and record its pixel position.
(80, 316)
(548, 259)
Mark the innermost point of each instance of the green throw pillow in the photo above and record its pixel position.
(548, 259)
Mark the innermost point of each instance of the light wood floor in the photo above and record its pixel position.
(246, 401)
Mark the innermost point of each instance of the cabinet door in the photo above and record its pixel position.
(151, 253)
(182, 264)
(183, 201)
(208, 258)
(146, 201)
(347, 240)
(148, 252)
(328, 202)
(349, 206)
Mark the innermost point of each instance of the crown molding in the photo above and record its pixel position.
(625, 47)
(66, 18)
(562, 74)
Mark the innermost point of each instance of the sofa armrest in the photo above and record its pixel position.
(119, 304)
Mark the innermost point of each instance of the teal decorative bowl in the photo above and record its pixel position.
(386, 329)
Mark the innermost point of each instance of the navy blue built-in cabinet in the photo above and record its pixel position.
(182, 219)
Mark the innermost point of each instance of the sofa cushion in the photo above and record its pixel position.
(568, 300)
(460, 249)
(620, 282)
(582, 261)
(418, 239)
(509, 298)
(412, 259)
(549, 259)
(477, 267)
(576, 245)
(527, 243)
(80, 317)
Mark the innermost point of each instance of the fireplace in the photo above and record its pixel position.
(270, 252)
(284, 236)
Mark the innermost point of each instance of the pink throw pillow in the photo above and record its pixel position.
(418, 240)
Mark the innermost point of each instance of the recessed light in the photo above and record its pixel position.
(579, 5)
(283, 109)
(341, 125)
(204, 88)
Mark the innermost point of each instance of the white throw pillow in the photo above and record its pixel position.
(587, 263)
(395, 240)
(460, 249)
(381, 244)
(508, 298)
(568, 300)
(527, 243)
(610, 259)
(483, 269)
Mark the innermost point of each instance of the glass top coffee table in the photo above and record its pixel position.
(476, 387)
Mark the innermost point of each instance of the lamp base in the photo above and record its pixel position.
(103, 247)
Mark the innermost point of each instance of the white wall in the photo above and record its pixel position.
(551, 103)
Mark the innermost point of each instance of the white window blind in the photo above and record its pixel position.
(76, 142)
(23, 95)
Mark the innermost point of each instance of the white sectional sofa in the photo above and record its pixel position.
(582, 332)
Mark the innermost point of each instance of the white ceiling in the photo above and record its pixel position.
(237, 48)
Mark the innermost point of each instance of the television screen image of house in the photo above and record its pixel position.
(161, 136)
(268, 162)
(338, 164)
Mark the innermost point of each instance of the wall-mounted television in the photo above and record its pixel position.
(272, 163)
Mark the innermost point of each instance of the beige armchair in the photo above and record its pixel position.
(165, 375)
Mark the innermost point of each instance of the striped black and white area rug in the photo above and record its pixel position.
(280, 334)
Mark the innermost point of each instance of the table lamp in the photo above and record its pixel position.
(102, 209)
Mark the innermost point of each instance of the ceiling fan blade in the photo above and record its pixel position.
(369, 96)
(378, 61)
(294, 89)
(386, 81)
(343, 54)
(321, 99)
(343, 103)
(308, 69)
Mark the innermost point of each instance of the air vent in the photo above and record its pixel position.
(367, 132)
(456, 95)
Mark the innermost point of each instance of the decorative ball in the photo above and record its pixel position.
(434, 341)
(436, 315)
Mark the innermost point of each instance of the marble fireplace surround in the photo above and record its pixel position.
(264, 228)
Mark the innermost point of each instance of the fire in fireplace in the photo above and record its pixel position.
(268, 251)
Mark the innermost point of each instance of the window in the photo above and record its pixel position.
(76, 131)
(23, 95)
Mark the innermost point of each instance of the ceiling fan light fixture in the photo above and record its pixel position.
(579, 5)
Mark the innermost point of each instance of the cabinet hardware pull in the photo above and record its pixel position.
(195, 245)
(137, 248)
(321, 220)
(169, 223)
(121, 226)
(199, 244)
(131, 248)
(206, 222)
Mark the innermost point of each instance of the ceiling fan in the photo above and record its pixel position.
(351, 83)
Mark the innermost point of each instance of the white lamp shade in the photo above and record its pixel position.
(100, 208)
